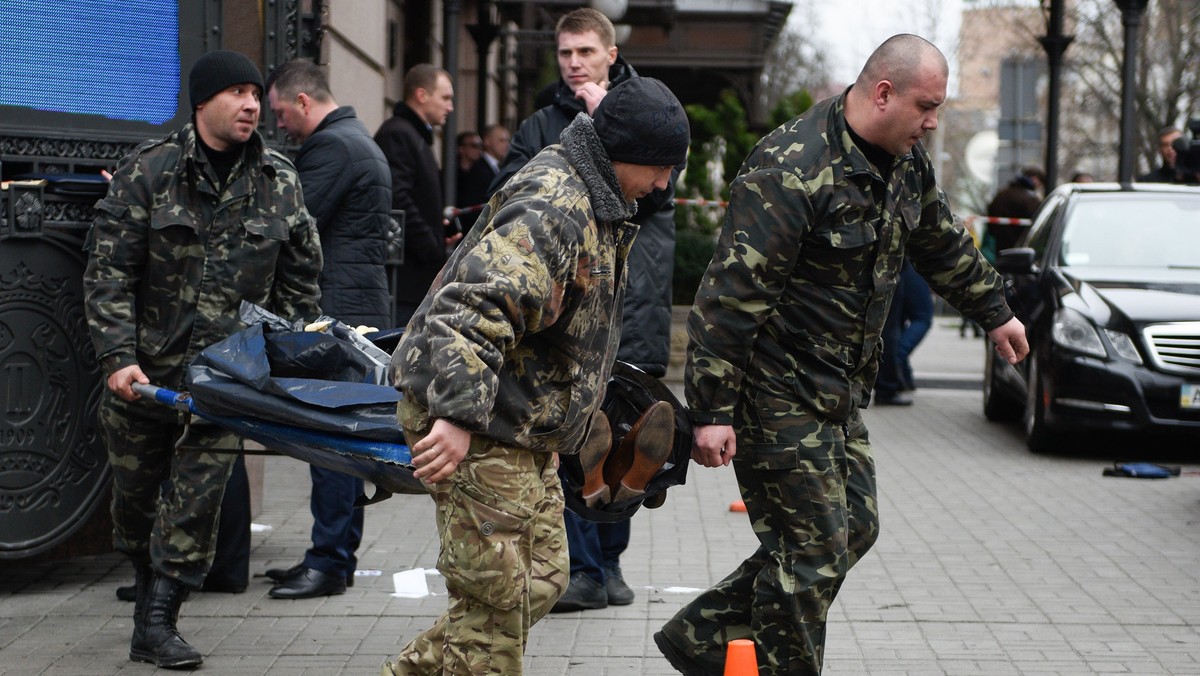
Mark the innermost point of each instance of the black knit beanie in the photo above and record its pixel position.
(641, 122)
(215, 72)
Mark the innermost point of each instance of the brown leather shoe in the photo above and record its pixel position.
(642, 452)
(592, 456)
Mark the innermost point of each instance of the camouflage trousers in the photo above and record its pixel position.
(503, 556)
(177, 528)
(811, 501)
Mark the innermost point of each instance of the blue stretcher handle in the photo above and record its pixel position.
(162, 395)
(372, 460)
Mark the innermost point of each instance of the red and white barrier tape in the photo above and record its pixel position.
(451, 212)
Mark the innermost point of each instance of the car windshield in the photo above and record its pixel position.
(1160, 231)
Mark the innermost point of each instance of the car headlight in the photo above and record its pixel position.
(1073, 331)
(1123, 344)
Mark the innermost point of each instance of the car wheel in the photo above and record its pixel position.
(996, 406)
(1038, 435)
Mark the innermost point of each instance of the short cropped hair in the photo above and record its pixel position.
(587, 19)
(899, 60)
(422, 76)
(300, 76)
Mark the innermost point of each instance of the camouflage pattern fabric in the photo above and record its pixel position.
(515, 343)
(517, 337)
(177, 532)
(503, 555)
(171, 258)
(806, 265)
(815, 515)
(785, 339)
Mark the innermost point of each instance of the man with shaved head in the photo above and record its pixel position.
(785, 340)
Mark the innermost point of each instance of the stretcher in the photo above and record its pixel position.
(387, 465)
(324, 398)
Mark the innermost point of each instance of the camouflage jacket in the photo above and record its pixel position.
(793, 304)
(517, 337)
(171, 259)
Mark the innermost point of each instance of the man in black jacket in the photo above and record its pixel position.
(1019, 199)
(1165, 173)
(587, 53)
(348, 189)
(407, 139)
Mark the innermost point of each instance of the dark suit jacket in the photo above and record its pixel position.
(407, 142)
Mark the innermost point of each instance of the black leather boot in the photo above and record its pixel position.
(161, 643)
(143, 575)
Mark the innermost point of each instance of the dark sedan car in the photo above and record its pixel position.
(1107, 283)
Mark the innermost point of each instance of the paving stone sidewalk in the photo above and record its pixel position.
(991, 561)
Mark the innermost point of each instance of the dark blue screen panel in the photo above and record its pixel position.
(117, 59)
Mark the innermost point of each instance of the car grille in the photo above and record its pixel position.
(1175, 347)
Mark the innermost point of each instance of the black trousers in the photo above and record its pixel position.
(231, 565)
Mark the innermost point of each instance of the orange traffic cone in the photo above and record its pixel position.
(737, 506)
(740, 658)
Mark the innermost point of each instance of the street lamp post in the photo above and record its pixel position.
(1055, 44)
(450, 22)
(483, 33)
(1131, 19)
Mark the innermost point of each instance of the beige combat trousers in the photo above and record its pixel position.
(503, 555)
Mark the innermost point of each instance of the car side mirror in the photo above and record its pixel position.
(1016, 261)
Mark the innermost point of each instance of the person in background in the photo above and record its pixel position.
(1019, 199)
(1082, 177)
(506, 362)
(496, 139)
(587, 54)
(908, 321)
(917, 314)
(406, 139)
(1165, 173)
(348, 190)
(784, 347)
(193, 225)
(474, 176)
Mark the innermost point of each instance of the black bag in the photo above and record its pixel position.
(332, 381)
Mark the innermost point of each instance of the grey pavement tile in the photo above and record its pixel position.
(991, 561)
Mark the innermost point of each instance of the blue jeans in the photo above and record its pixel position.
(595, 547)
(916, 314)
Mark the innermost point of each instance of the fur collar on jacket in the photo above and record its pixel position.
(589, 158)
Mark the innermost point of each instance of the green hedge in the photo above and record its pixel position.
(693, 250)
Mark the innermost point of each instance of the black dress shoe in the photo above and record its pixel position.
(583, 593)
(281, 574)
(311, 583)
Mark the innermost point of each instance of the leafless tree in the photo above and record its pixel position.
(795, 63)
(1168, 80)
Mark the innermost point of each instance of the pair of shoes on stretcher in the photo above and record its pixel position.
(622, 473)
